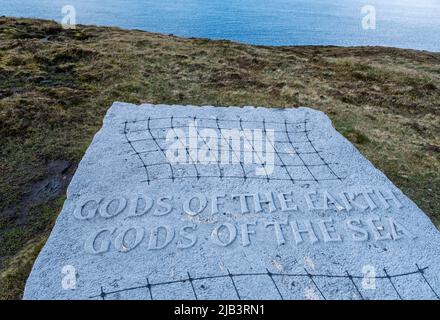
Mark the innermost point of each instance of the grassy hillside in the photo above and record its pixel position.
(56, 85)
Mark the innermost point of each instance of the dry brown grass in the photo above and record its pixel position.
(55, 86)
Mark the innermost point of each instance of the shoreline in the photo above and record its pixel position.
(229, 40)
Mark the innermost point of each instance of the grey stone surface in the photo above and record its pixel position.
(109, 244)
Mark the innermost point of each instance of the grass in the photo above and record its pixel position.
(56, 85)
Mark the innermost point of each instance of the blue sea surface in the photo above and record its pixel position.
(399, 23)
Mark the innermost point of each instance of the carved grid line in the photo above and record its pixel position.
(210, 162)
(314, 283)
(319, 155)
(422, 272)
(149, 289)
(244, 176)
(233, 284)
(231, 139)
(263, 164)
(283, 165)
(214, 119)
(220, 170)
(241, 177)
(186, 149)
(392, 283)
(274, 283)
(354, 285)
(299, 156)
(244, 151)
(160, 148)
(136, 152)
(209, 127)
(103, 294)
(232, 149)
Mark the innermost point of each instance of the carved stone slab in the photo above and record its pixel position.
(276, 205)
